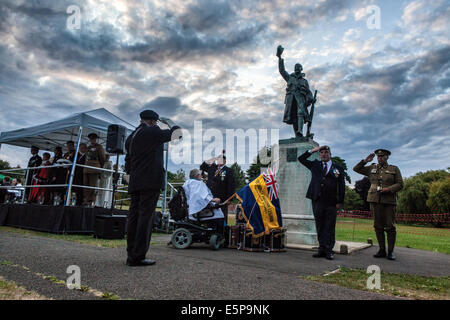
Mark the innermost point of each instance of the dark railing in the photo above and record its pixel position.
(440, 218)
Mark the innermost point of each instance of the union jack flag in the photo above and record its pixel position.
(271, 183)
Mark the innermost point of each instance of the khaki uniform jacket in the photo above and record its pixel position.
(95, 157)
(386, 176)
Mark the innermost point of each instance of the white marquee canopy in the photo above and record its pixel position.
(56, 133)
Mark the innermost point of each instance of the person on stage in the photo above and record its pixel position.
(41, 195)
(35, 161)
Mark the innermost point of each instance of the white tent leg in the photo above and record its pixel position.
(25, 189)
(72, 170)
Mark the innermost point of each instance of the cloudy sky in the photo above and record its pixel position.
(214, 61)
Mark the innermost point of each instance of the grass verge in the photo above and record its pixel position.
(399, 285)
(10, 291)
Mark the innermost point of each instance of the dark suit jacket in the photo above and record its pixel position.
(222, 185)
(329, 189)
(144, 160)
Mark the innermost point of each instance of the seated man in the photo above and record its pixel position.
(199, 197)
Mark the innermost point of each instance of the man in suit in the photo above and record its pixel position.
(220, 180)
(144, 163)
(385, 181)
(327, 191)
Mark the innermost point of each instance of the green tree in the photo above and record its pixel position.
(416, 191)
(412, 199)
(439, 196)
(178, 177)
(239, 176)
(4, 165)
(352, 200)
(255, 168)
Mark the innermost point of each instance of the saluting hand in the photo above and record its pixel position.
(370, 157)
(315, 149)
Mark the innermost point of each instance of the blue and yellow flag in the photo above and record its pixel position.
(261, 211)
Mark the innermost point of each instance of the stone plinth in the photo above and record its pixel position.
(293, 180)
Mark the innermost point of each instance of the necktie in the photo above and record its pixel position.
(324, 168)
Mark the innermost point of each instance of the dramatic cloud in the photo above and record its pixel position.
(215, 61)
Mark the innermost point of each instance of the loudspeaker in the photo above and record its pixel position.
(110, 226)
(115, 139)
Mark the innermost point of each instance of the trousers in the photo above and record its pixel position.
(325, 218)
(140, 223)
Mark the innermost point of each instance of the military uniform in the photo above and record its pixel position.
(382, 204)
(221, 182)
(95, 157)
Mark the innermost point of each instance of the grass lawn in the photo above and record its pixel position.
(84, 239)
(401, 285)
(425, 238)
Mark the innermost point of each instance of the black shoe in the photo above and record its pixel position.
(380, 254)
(391, 256)
(141, 263)
(330, 256)
(319, 254)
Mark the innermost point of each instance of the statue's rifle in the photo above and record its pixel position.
(311, 114)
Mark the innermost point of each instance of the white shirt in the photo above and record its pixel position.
(328, 163)
(198, 197)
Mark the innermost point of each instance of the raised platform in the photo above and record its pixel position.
(54, 219)
(341, 247)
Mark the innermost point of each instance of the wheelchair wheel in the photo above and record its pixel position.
(215, 241)
(181, 238)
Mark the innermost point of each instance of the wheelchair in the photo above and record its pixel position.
(188, 231)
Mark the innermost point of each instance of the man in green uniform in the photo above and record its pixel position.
(385, 181)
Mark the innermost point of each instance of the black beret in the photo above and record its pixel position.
(92, 135)
(34, 147)
(382, 152)
(149, 115)
(324, 148)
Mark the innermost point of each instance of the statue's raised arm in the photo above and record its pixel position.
(281, 68)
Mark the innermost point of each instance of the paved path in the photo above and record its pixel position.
(194, 273)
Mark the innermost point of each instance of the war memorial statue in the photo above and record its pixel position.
(293, 178)
(298, 98)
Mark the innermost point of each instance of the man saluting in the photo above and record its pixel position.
(327, 191)
(220, 181)
(385, 181)
(144, 163)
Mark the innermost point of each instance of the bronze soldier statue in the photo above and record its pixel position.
(385, 181)
(298, 97)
